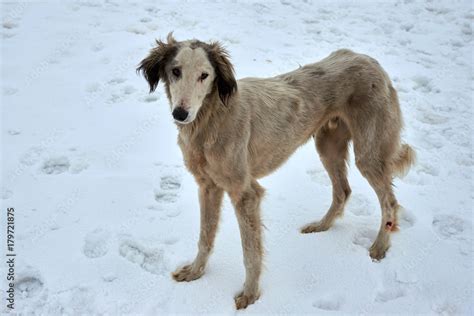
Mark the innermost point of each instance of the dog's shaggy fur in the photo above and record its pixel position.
(243, 130)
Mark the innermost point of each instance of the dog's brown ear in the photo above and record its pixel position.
(153, 66)
(225, 78)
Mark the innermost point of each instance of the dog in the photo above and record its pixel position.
(234, 132)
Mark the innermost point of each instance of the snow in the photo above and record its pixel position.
(105, 209)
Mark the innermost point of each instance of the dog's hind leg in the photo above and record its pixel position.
(376, 143)
(210, 199)
(332, 142)
(375, 121)
(381, 182)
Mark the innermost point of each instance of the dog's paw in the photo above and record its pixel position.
(187, 273)
(315, 228)
(377, 251)
(243, 300)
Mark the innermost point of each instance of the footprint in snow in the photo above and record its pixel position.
(404, 42)
(28, 283)
(329, 303)
(391, 289)
(359, 205)
(407, 27)
(116, 81)
(6, 194)
(431, 118)
(93, 87)
(155, 208)
(152, 9)
(467, 29)
(438, 10)
(390, 294)
(13, 132)
(170, 183)
(128, 89)
(9, 25)
(79, 166)
(32, 156)
(169, 189)
(55, 165)
(422, 83)
(406, 219)
(165, 197)
(97, 47)
(170, 240)
(174, 213)
(105, 60)
(8, 35)
(78, 300)
(364, 238)
(424, 168)
(320, 176)
(446, 307)
(456, 43)
(449, 226)
(428, 63)
(9, 91)
(110, 277)
(62, 164)
(96, 244)
(136, 30)
(150, 260)
(465, 160)
(150, 98)
(28, 286)
(115, 98)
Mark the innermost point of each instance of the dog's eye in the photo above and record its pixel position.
(203, 76)
(176, 72)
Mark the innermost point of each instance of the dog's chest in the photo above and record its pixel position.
(194, 157)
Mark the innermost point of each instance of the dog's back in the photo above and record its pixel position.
(343, 74)
(292, 107)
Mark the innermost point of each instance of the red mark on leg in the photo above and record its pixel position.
(390, 226)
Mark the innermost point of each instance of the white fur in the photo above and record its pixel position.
(188, 91)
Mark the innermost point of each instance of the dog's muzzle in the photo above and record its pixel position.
(180, 114)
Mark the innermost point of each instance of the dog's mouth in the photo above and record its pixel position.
(182, 122)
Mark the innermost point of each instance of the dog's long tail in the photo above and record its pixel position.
(403, 160)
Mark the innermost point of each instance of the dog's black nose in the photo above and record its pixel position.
(180, 114)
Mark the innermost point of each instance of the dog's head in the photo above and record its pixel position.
(190, 70)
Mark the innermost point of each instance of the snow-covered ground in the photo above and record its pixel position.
(105, 209)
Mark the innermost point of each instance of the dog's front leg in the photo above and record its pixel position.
(210, 199)
(247, 207)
